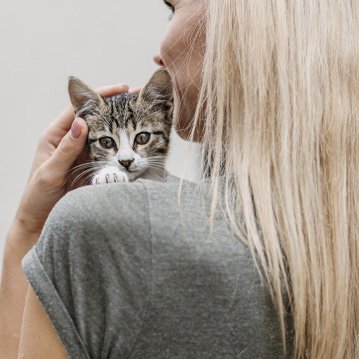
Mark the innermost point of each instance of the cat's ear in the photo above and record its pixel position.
(158, 88)
(82, 97)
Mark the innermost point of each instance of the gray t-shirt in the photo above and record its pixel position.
(131, 270)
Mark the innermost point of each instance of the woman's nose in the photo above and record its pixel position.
(158, 60)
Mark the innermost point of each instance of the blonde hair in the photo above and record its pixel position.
(280, 103)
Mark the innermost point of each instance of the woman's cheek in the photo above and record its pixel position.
(171, 48)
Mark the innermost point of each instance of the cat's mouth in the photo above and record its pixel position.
(131, 170)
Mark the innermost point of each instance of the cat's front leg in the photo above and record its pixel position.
(110, 174)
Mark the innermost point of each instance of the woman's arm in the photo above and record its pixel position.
(45, 343)
(58, 150)
(13, 289)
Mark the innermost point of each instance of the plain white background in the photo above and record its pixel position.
(42, 43)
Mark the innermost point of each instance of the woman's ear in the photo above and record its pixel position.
(159, 88)
(82, 97)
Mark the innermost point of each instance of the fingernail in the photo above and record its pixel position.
(76, 129)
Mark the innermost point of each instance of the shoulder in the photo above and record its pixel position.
(93, 205)
(97, 217)
(94, 257)
(121, 196)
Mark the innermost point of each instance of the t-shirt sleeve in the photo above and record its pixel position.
(91, 269)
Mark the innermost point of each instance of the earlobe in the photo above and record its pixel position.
(82, 96)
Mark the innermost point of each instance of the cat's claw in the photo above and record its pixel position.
(109, 175)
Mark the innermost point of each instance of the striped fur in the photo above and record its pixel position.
(120, 119)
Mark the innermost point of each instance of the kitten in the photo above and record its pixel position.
(128, 133)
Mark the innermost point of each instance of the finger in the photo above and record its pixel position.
(106, 91)
(62, 124)
(69, 149)
(135, 90)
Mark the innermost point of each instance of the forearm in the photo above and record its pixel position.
(13, 289)
(61, 145)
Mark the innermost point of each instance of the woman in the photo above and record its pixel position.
(276, 84)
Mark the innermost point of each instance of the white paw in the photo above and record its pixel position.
(109, 175)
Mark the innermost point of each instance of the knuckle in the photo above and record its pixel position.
(65, 146)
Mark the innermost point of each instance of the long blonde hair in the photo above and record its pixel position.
(280, 101)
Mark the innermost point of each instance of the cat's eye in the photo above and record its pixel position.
(142, 138)
(107, 142)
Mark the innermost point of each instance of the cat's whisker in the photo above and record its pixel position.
(93, 163)
(109, 121)
(85, 165)
(89, 171)
(75, 175)
(155, 174)
(82, 175)
(157, 165)
(87, 180)
(156, 168)
(157, 161)
(156, 157)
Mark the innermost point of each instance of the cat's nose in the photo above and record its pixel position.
(126, 164)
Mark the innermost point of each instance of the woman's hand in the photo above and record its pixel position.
(58, 150)
(60, 147)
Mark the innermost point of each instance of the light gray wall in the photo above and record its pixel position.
(42, 42)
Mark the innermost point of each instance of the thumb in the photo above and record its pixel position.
(69, 148)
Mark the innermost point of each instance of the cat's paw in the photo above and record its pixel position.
(109, 175)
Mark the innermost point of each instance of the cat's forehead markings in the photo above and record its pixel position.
(129, 122)
(113, 113)
(128, 114)
(119, 109)
(109, 127)
(124, 142)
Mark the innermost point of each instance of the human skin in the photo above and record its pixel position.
(182, 53)
(58, 150)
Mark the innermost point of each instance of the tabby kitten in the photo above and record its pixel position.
(128, 133)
